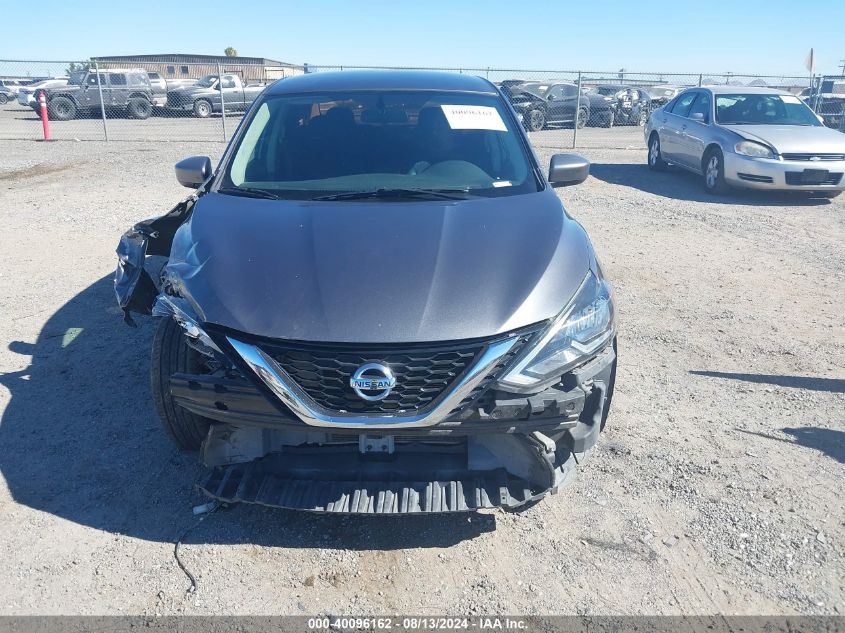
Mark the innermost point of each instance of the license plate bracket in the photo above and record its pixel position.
(814, 176)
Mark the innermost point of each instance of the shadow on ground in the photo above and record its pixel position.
(827, 441)
(680, 184)
(833, 385)
(80, 440)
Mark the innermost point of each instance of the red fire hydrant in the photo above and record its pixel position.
(45, 120)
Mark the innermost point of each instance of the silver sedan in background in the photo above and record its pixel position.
(750, 137)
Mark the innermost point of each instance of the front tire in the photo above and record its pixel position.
(655, 156)
(202, 109)
(714, 172)
(643, 118)
(62, 109)
(3, 99)
(171, 355)
(139, 108)
(535, 120)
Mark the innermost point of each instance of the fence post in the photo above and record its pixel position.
(102, 102)
(699, 80)
(222, 100)
(577, 111)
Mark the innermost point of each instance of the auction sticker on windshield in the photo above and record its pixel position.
(471, 117)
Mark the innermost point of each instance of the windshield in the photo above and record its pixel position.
(763, 109)
(207, 82)
(302, 146)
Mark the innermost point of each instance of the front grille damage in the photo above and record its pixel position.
(505, 458)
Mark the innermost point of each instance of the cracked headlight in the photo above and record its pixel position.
(755, 150)
(583, 328)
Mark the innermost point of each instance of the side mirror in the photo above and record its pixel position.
(698, 116)
(192, 172)
(568, 169)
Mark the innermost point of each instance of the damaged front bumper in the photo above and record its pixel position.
(506, 451)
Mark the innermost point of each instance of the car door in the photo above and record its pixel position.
(676, 118)
(89, 96)
(232, 96)
(556, 108)
(118, 90)
(570, 96)
(695, 134)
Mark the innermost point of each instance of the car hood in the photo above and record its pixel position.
(374, 271)
(598, 101)
(793, 138)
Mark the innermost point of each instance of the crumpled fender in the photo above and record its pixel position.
(133, 287)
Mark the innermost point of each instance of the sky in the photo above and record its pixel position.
(743, 36)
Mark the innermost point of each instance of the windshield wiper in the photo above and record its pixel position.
(247, 192)
(438, 194)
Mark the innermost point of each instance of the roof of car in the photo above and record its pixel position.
(381, 80)
(752, 90)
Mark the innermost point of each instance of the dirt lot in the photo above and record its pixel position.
(717, 487)
(18, 122)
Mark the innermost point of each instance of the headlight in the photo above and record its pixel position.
(756, 150)
(581, 329)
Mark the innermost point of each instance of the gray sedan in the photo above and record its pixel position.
(751, 137)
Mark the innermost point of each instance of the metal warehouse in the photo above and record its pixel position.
(183, 66)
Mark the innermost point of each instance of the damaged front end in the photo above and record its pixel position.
(465, 424)
(134, 287)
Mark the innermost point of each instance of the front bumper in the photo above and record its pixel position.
(774, 174)
(505, 451)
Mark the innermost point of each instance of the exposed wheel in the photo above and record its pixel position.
(62, 109)
(139, 108)
(202, 109)
(655, 156)
(714, 172)
(643, 118)
(3, 98)
(582, 118)
(609, 120)
(171, 354)
(535, 120)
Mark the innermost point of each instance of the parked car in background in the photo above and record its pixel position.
(204, 97)
(161, 86)
(632, 104)
(827, 99)
(661, 95)
(9, 90)
(759, 138)
(376, 303)
(127, 91)
(542, 104)
(602, 109)
(26, 95)
(6, 95)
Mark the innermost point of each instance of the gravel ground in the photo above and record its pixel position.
(717, 487)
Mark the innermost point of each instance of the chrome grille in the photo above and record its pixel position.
(810, 156)
(424, 372)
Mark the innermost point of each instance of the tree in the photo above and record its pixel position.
(231, 52)
(73, 67)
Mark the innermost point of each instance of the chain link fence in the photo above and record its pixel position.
(99, 100)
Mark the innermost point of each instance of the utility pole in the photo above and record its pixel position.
(842, 61)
